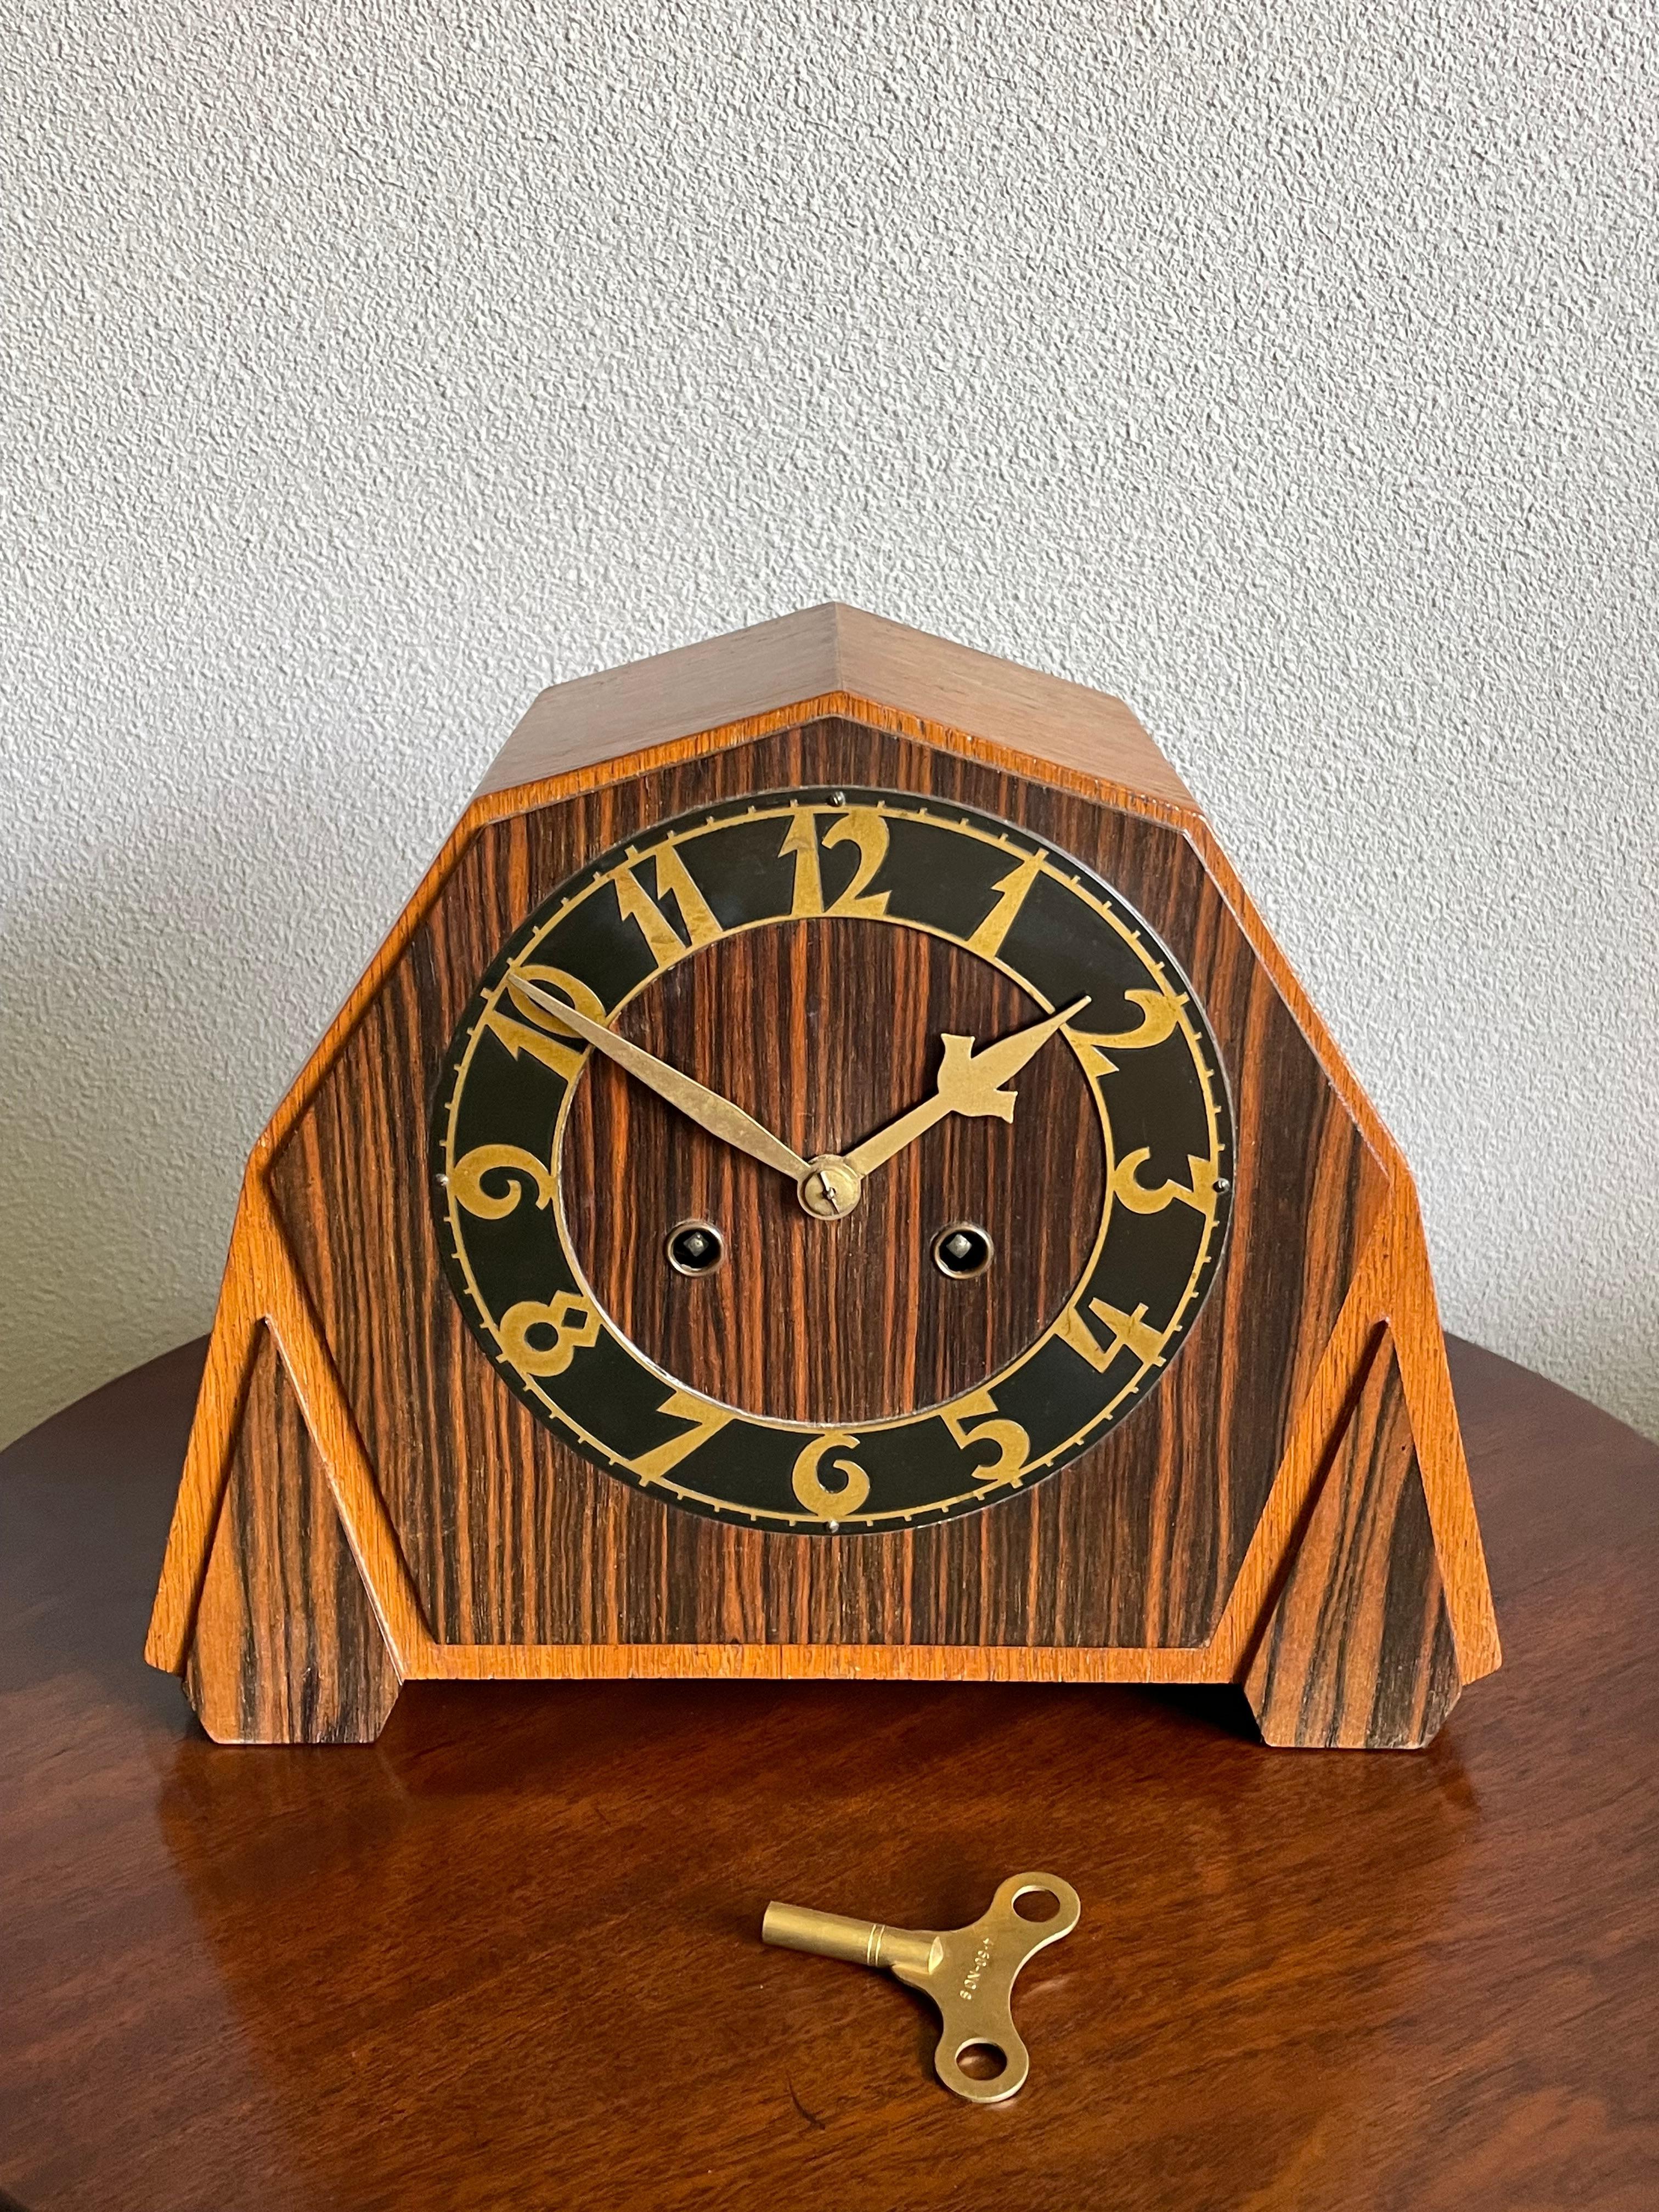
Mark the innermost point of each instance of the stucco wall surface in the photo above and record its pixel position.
(1289, 370)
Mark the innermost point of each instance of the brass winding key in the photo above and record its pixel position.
(968, 1972)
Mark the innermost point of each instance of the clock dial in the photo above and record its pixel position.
(897, 1175)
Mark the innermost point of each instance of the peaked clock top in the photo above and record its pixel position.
(814, 662)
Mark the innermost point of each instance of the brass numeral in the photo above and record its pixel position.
(1129, 1190)
(1013, 1444)
(466, 1179)
(673, 881)
(808, 1487)
(708, 1420)
(1133, 1331)
(868, 830)
(574, 1324)
(864, 827)
(801, 838)
(528, 1035)
(1159, 1013)
(1012, 891)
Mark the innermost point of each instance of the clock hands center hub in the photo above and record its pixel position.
(830, 1188)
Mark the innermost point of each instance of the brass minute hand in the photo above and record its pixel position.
(706, 1108)
(969, 1082)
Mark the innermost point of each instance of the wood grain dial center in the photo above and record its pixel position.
(826, 1030)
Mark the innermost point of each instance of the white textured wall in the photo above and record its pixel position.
(1289, 369)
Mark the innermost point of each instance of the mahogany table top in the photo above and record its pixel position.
(509, 1955)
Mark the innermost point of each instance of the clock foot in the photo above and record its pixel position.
(1357, 1649)
(285, 1647)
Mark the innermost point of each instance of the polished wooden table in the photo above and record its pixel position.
(508, 1956)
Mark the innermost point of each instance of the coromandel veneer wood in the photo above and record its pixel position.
(364, 1501)
(281, 1563)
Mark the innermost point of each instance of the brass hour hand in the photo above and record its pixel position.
(706, 1108)
(969, 1083)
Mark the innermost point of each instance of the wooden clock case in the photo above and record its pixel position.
(364, 1502)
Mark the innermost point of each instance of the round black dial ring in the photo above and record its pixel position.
(1113, 998)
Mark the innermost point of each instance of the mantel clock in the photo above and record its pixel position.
(828, 1176)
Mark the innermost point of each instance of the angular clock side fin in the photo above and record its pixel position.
(286, 1647)
(1358, 1651)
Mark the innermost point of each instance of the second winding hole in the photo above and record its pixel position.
(695, 1247)
(962, 1250)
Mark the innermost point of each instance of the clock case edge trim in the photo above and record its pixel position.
(1391, 1291)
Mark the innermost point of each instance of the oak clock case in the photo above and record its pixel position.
(1085, 1287)
(1044, 1301)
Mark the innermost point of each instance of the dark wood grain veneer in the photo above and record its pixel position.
(807, 1320)
(286, 1644)
(1358, 1650)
